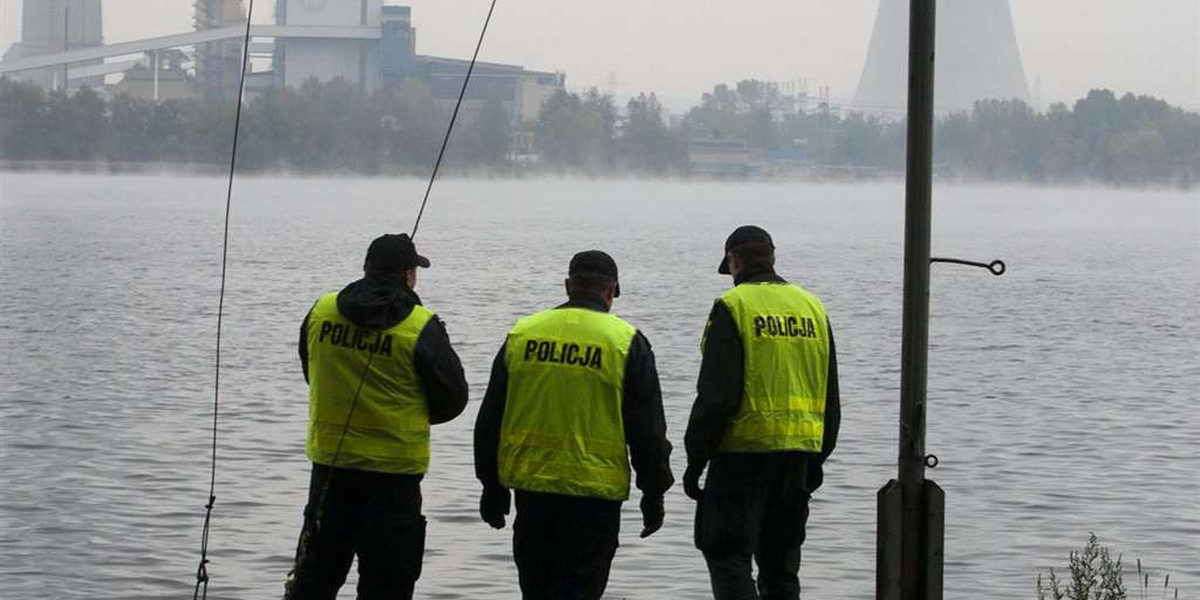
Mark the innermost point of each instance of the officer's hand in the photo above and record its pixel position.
(493, 505)
(691, 482)
(653, 514)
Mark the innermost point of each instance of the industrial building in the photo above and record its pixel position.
(56, 26)
(219, 63)
(977, 58)
(367, 43)
(389, 56)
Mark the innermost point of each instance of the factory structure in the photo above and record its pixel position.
(56, 26)
(390, 56)
(365, 42)
(218, 64)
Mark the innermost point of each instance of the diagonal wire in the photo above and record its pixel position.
(201, 589)
(453, 118)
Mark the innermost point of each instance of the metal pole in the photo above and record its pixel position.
(154, 64)
(909, 553)
(66, 45)
(915, 344)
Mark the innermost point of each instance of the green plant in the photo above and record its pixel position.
(1095, 575)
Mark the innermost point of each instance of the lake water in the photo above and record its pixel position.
(1063, 396)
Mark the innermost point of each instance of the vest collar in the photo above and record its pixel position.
(586, 300)
(758, 273)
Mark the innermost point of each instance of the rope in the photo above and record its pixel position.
(453, 118)
(201, 589)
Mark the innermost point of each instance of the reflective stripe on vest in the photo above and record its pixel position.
(389, 429)
(563, 432)
(786, 341)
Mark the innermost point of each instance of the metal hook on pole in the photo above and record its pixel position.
(997, 267)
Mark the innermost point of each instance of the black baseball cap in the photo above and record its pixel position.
(746, 234)
(595, 262)
(394, 253)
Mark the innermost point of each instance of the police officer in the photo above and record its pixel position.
(377, 359)
(765, 419)
(573, 399)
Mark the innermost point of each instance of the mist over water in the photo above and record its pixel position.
(1062, 395)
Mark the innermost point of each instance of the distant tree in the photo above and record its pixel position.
(269, 130)
(577, 133)
(24, 115)
(818, 131)
(481, 136)
(1138, 157)
(410, 124)
(207, 132)
(495, 131)
(861, 141)
(75, 127)
(750, 110)
(1008, 140)
(1126, 140)
(130, 138)
(88, 120)
(647, 144)
(562, 130)
(601, 114)
(717, 115)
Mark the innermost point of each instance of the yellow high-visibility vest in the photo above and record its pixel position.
(563, 430)
(389, 427)
(786, 340)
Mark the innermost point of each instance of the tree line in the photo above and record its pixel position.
(336, 126)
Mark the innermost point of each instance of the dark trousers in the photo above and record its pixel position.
(755, 506)
(374, 515)
(564, 546)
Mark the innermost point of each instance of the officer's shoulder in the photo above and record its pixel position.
(431, 319)
(326, 298)
(639, 337)
(721, 303)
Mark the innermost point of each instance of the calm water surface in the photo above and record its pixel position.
(1062, 396)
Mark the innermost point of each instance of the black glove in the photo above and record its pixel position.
(493, 505)
(653, 514)
(691, 481)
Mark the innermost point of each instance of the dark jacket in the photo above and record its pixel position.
(380, 302)
(722, 379)
(641, 410)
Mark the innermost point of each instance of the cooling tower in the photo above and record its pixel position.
(977, 57)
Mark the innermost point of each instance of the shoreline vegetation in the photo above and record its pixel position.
(337, 129)
(1093, 574)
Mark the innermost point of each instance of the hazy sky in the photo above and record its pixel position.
(680, 48)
